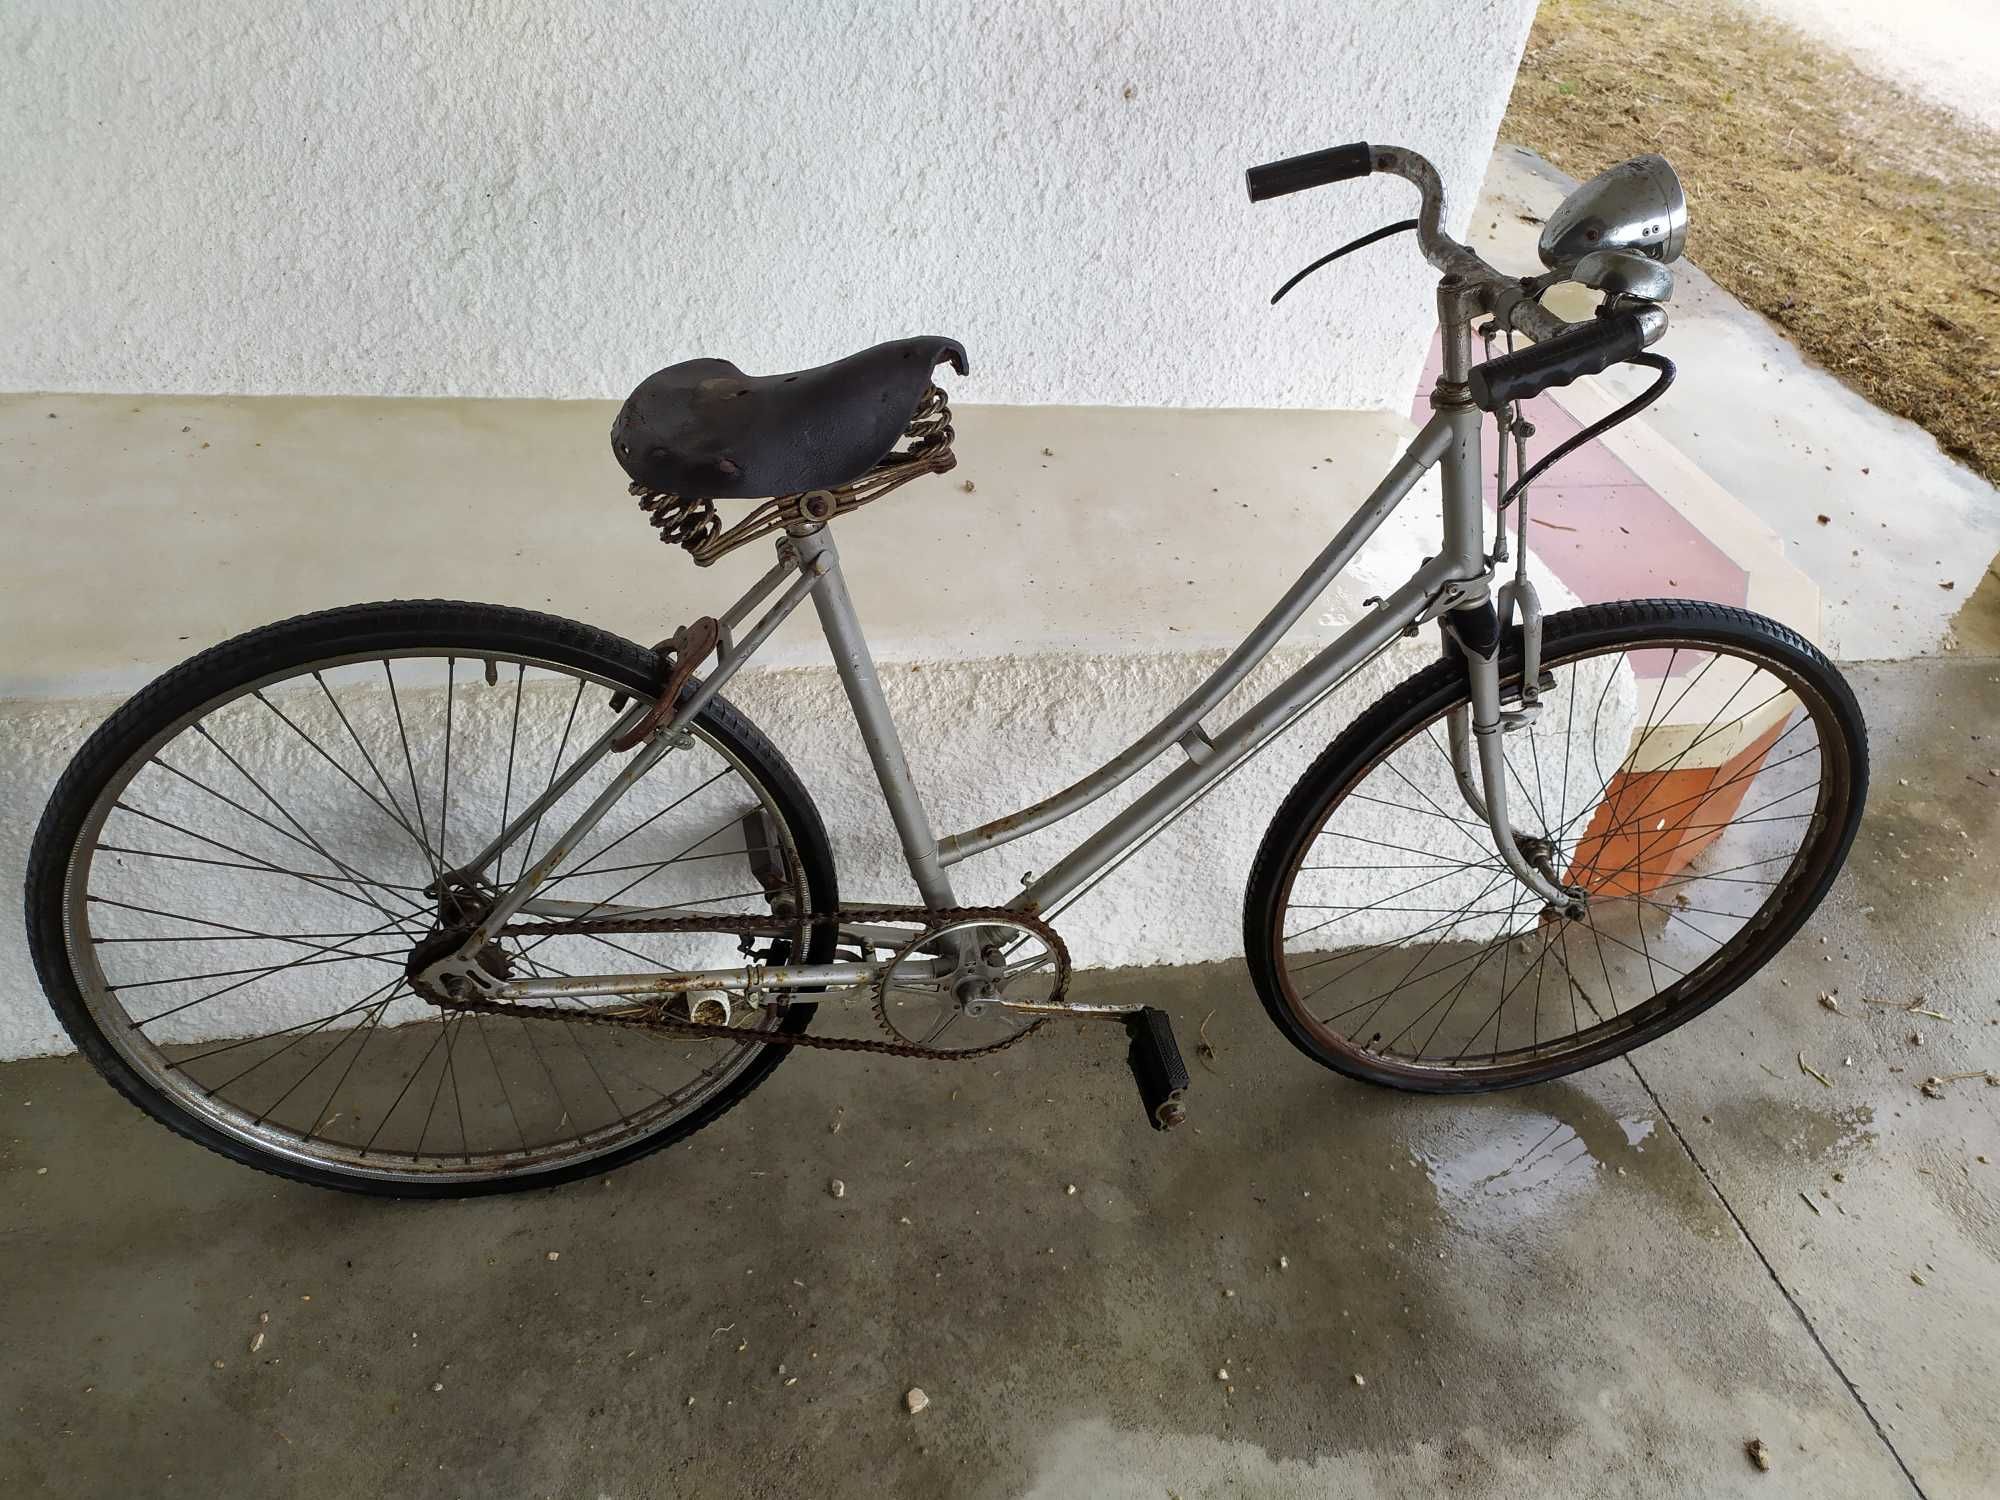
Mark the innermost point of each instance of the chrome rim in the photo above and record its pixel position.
(244, 892)
(1691, 787)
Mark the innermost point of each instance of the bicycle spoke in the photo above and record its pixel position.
(410, 765)
(1350, 911)
(305, 835)
(1411, 987)
(1393, 942)
(181, 1064)
(274, 937)
(375, 770)
(1409, 975)
(1441, 970)
(394, 817)
(1500, 1005)
(258, 867)
(444, 797)
(513, 741)
(195, 781)
(584, 867)
(364, 1034)
(555, 769)
(302, 962)
(241, 984)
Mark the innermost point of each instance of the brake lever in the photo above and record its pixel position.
(1404, 227)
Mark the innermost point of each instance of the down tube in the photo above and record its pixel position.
(1243, 738)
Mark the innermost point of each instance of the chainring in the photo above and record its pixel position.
(1054, 959)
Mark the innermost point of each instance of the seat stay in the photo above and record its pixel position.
(657, 745)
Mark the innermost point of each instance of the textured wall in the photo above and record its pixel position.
(523, 199)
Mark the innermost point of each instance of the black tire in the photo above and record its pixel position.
(362, 629)
(1397, 718)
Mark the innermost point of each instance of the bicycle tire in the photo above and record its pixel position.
(1396, 718)
(365, 629)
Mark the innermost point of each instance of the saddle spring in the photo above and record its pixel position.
(690, 521)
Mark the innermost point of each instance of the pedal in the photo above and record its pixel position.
(1157, 1067)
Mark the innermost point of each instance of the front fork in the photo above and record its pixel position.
(1473, 631)
(1476, 734)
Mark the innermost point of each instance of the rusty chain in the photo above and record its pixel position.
(652, 1018)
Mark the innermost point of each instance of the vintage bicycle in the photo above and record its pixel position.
(443, 898)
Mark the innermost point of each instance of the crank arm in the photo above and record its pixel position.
(1082, 1010)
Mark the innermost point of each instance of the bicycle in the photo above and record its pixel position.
(373, 972)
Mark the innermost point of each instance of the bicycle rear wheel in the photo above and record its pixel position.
(231, 876)
(1700, 770)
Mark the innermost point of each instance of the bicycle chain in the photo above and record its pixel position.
(929, 919)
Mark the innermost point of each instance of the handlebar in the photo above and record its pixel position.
(1296, 173)
(1585, 348)
(1507, 298)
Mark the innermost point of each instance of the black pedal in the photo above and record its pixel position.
(1157, 1067)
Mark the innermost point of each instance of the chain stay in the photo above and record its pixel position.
(928, 919)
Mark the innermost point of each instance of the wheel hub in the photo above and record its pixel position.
(437, 981)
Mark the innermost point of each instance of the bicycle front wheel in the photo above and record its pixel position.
(229, 881)
(1699, 770)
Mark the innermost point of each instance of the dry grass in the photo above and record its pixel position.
(1863, 222)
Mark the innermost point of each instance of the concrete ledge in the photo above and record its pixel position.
(144, 528)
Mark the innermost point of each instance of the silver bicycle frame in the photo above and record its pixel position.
(1458, 578)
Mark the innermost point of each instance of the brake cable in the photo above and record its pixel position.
(1352, 245)
(1562, 450)
(1598, 428)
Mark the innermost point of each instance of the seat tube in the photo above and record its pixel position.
(856, 665)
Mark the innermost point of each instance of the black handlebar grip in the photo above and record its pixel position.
(1588, 350)
(1297, 173)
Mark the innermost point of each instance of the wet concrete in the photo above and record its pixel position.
(1604, 1286)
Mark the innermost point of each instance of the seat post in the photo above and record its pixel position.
(856, 665)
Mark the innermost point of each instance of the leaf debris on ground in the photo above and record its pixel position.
(1934, 1086)
(1856, 216)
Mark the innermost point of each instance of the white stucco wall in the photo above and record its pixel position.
(1034, 721)
(524, 199)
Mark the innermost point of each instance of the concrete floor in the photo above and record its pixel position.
(1600, 1287)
